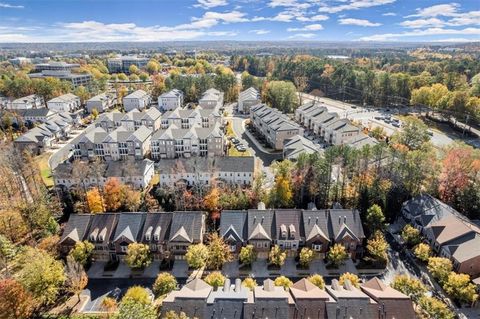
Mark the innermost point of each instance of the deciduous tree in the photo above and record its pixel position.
(337, 255)
(306, 256)
(284, 282)
(354, 280)
(218, 252)
(409, 286)
(112, 192)
(164, 284)
(138, 256)
(411, 235)
(459, 287)
(249, 283)
(15, 301)
(422, 251)
(82, 252)
(375, 218)
(434, 308)
(247, 255)
(440, 268)
(215, 279)
(377, 248)
(95, 201)
(197, 256)
(317, 280)
(277, 256)
(76, 276)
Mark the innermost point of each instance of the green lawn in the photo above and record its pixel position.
(45, 171)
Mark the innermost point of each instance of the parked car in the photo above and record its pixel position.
(240, 147)
(235, 141)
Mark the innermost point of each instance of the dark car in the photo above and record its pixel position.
(235, 141)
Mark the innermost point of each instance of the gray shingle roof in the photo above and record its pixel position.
(76, 227)
(261, 224)
(155, 220)
(191, 222)
(104, 224)
(233, 222)
(289, 221)
(129, 226)
(207, 164)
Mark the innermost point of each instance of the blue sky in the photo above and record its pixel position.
(165, 20)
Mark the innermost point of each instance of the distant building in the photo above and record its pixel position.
(297, 145)
(122, 64)
(62, 71)
(101, 102)
(191, 54)
(65, 103)
(170, 100)
(28, 102)
(247, 99)
(171, 53)
(136, 100)
(19, 61)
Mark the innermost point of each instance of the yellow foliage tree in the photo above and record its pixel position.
(95, 201)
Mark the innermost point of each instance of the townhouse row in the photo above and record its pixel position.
(274, 126)
(221, 171)
(248, 98)
(303, 300)
(315, 118)
(55, 126)
(181, 133)
(449, 233)
(289, 228)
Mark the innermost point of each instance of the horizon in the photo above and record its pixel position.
(369, 21)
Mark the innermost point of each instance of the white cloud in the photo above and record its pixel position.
(354, 5)
(259, 31)
(302, 35)
(208, 4)
(359, 22)
(437, 10)
(281, 17)
(421, 23)
(454, 40)
(389, 14)
(10, 6)
(319, 17)
(288, 3)
(310, 27)
(419, 33)
(222, 33)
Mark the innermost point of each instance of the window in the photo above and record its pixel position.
(317, 247)
(124, 249)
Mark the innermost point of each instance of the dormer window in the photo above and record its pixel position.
(283, 231)
(93, 235)
(156, 235)
(148, 233)
(102, 235)
(292, 230)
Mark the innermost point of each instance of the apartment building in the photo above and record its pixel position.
(137, 174)
(211, 99)
(339, 132)
(65, 103)
(248, 98)
(62, 71)
(28, 102)
(205, 171)
(449, 233)
(175, 142)
(122, 64)
(150, 118)
(297, 145)
(101, 102)
(120, 144)
(273, 125)
(170, 100)
(110, 121)
(136, 100)
(186, 118)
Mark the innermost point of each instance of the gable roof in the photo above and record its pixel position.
(289, 220)
(76, 227)
(154, 221)
(129, 225)
(304, 289)
(104, 224)
(186, 226)
(234, 223)
(377, 289)
(346, 222)
(260, 224)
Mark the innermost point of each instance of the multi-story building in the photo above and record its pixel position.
(155, 234)
(101, 102)
(120, 144)
(273, 125)
(110, 121)
(122, 64)
(170, 100)
(205, 171)
(175, 142)
(137, 174)
(150, 118)
(449, 233)
(62, 71)
(65, 103)
(248, 98)
(186, 118)
(211, 99)
(187, 228)
(136, 100)
(28, 102)
(297, 145)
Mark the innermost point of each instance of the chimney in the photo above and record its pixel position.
(339, 219)
(261, 206)
(263, 217)
(238, 285)
(309, 218)
(344, 219)
(226, 285)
